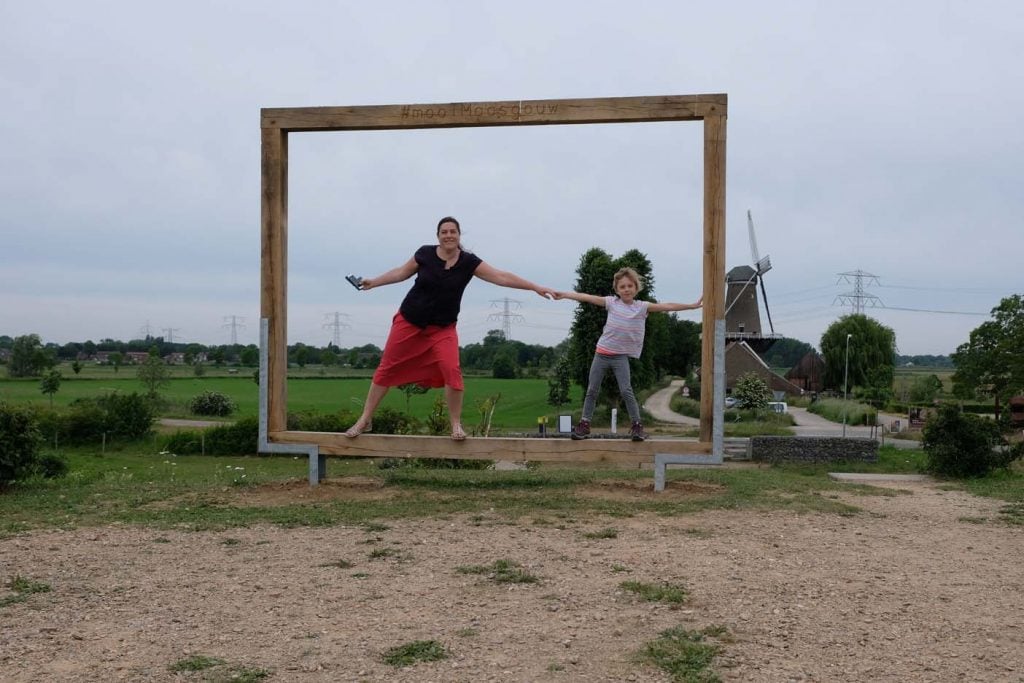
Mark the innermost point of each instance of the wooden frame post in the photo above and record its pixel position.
(714, 262)
(277, 124)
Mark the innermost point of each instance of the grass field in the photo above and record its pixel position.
(521, 401)
(137, 485)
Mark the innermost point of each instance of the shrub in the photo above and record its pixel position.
(960, 445)
(184, 442)
(211, 403)
(753, 391)
(321, 422)
(128, 416)
(19, 443)
(119, 416)
(234, 439)
(391, 421)
(84, 422)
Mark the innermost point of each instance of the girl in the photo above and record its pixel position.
(622, 339)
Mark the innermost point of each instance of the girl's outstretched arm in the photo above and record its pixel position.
(582, 298)
(666, 307)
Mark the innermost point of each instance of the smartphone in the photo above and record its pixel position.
(355, 281)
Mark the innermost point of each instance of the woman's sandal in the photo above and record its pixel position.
(458, 434)
(355, 430)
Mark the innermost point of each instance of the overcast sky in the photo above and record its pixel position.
(877, 137)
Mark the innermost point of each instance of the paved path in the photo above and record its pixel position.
(658, 406)
(807, 423)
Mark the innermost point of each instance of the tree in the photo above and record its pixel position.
(991, 362)
(925, 389)
(28, 357)
(681, 352)
(558, 383)
(50, 384)
(786, 352)
(752, 391)
(191, 353)
(250, 356)
(872, 356)
(154, 373)
(504, 366)
(116, 359)
(76, 366)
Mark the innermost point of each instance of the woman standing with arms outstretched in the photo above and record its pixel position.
(423, 345)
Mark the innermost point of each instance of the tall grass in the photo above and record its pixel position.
(835, 409)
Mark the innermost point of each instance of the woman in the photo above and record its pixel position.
(423, 346)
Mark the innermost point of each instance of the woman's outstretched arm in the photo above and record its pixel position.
(402, 272)
(503, 278)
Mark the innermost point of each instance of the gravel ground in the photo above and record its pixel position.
(922, 585)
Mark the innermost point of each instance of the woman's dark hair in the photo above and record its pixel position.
(448, 219)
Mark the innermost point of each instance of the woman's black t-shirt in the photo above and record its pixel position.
(436, 296)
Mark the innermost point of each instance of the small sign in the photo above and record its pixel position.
(564, 424)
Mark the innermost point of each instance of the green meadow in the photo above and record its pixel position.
(520, 401)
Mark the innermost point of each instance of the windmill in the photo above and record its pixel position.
(742, 312)
(761, 265)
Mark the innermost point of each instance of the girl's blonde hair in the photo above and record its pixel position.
(631, 274)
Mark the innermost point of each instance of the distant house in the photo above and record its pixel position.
(175, 358)
(809, 372)
(740, 359)
(138, 357)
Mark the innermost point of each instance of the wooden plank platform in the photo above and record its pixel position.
(494, 448)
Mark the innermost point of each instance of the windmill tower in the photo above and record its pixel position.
(742, 312)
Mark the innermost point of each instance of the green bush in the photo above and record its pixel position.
(234, 439)
(127, 416)
(212, 403)
(19, 443)
(321, 422)
(184, 442)
(83, 422)
(960, 445)
(391, 421)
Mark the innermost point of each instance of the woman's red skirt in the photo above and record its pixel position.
(426, 356)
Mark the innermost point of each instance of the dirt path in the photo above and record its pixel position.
(914, 588)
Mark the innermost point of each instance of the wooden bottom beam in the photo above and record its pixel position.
(495, 448)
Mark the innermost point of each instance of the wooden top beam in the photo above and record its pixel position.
(503, 113)
(494, 448)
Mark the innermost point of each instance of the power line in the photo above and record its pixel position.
(234, 322)
(336, 324)
(506, 316)
(857, 298)
(170, 333)
(925, 310)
